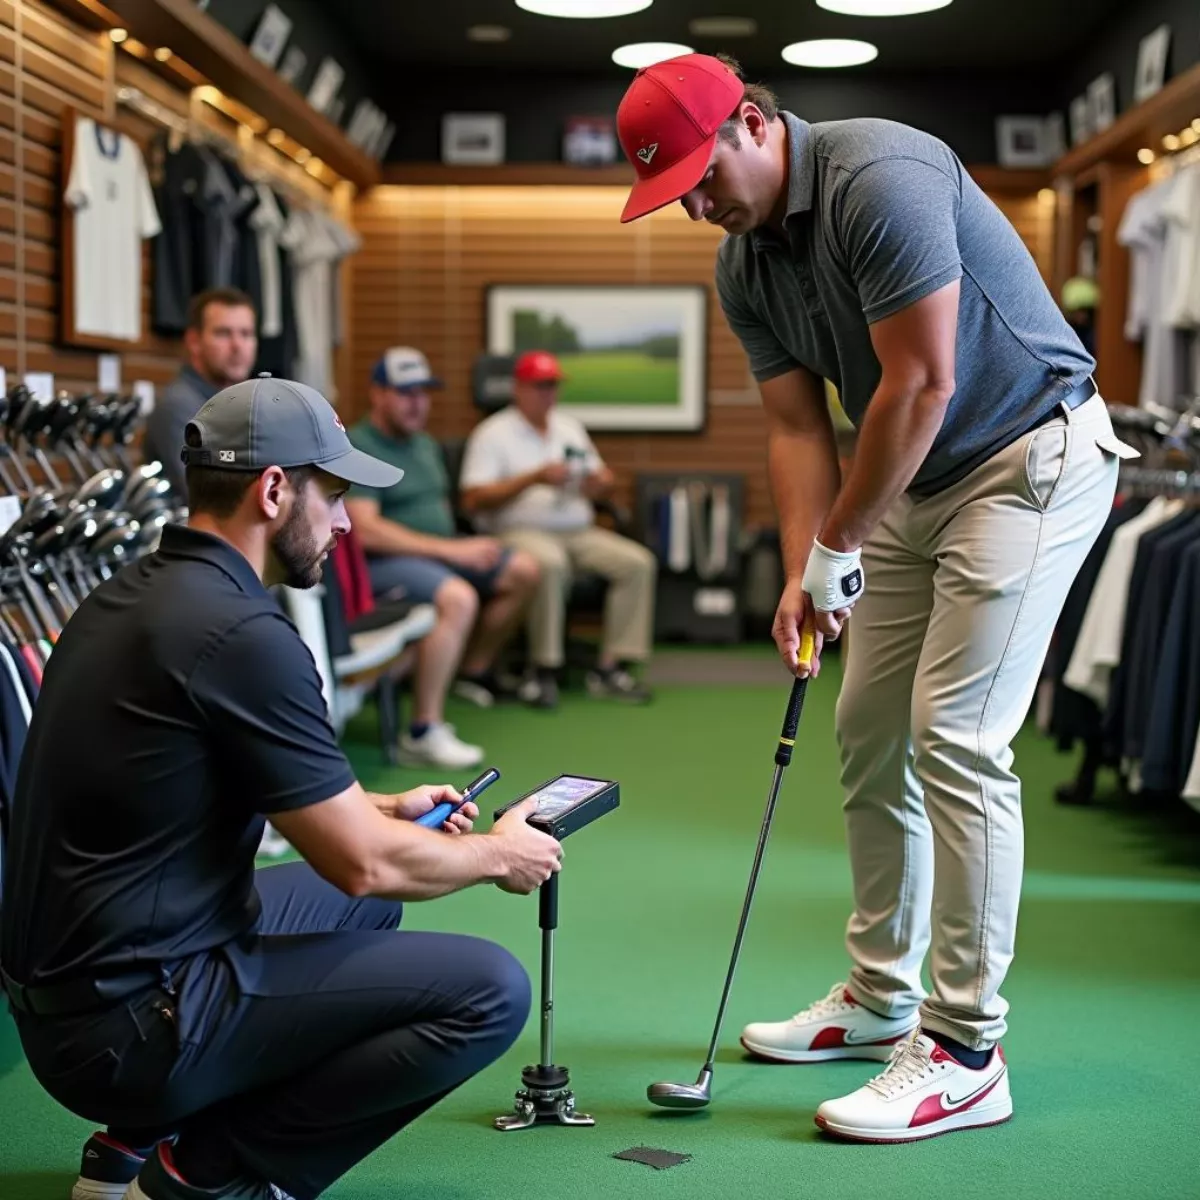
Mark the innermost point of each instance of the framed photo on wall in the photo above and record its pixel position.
(1021, 141)
(634, 355)
(1152, 64)
(1102, 98)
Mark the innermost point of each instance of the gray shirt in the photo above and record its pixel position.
(880, 215)
(177, 404)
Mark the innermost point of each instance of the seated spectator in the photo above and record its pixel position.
(481, 590)
(221, 344)
(530, 473)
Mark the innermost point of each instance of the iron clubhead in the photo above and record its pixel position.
(683, 1095)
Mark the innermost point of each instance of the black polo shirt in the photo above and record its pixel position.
(180, 705)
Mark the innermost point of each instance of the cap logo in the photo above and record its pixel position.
(646, 153)
(338, 422)
(227, 455)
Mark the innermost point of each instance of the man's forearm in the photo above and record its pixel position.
(804, 483)
(496, 495)
(893, 441)
(423, 864)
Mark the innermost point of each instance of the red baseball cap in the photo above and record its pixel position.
(537, 366)
(667, 123)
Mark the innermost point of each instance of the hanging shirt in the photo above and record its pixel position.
(1098, 647)
(114, 211)
(267, 222)
(316, 244)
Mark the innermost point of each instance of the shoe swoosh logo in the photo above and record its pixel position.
(934, 1108)
(853, 1039)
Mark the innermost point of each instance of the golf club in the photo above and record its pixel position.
(699, 1094)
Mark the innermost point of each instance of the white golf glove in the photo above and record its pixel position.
(834, 580)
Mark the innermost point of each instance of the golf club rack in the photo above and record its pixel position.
(73, 508)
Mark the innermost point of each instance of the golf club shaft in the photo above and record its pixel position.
(783, 756)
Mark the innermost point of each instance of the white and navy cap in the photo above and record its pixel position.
(278, 422)
(403, 367)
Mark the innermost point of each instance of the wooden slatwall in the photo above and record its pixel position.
(429, 252)
(48, 64)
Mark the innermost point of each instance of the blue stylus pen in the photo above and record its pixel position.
(437, 815)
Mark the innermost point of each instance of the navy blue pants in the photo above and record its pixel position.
(298, 1050)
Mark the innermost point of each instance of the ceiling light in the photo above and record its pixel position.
(722, 27)
(645, 54)
(162, 53)
(118, 35)
(1145, 156)
(1047, 195)
(1170, 142)
(583, 8)
(882, 8)
(829, 52)
(489, 33)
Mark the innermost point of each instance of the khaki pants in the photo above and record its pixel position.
(962, 594)
(629, 567)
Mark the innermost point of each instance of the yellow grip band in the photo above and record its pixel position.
(807, 643)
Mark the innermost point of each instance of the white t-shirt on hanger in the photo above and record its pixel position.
(113, 213)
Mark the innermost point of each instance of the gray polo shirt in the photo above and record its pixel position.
(880, 215)
(177, 404)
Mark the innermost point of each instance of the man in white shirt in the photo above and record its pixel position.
(529, 475)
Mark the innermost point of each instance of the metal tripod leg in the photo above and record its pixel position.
(546, 1097)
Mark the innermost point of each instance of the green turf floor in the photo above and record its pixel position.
(1105, 991)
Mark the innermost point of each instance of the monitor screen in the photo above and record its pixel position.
(562, 794)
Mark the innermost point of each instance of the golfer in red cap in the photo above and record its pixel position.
(863, 253)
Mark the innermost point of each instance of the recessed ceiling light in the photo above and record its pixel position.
(645, 54)
(489, 33)
(829, 52)
(722, 27)
(882, 8)
(583, 8)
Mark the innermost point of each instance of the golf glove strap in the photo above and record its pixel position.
(833, 580)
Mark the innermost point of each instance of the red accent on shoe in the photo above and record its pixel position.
(168, 1161)
(832, 1037)
(934, 1108)
(942, 1055)
(849, 999)
(119, 1147)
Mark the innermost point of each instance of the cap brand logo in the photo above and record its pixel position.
(646, 153)
(338, 422)
(227, 455)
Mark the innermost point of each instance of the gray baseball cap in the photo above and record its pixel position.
(267, 422)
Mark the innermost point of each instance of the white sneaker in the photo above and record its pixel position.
(922, 1092)
(835, 1027)
(438, 746)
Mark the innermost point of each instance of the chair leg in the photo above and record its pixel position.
(389, 722)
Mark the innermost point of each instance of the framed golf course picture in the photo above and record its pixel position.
(633, 355)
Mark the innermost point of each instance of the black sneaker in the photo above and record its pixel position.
(486, 691)
(617, 684)
(106, 1169)
(539, 690)
(156, 1181)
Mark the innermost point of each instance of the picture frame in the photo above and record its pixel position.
(635, 355)
(1152, 63)
(274, 28)
(1021, 141)
(1081, 120)
(590, 141)
(1054, 132)
(1102, 101)
(473, 139)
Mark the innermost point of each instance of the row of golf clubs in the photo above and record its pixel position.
(89, 433)
(68, 540)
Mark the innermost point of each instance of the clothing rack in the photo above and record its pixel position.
(1170, 442)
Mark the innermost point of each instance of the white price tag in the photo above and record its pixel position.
(10, 510)
(41, 384)
(143, 389)
(109, 367)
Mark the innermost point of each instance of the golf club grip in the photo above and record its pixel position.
(791, 721)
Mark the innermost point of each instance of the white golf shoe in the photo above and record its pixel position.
(922, 1092)
(835, 1027)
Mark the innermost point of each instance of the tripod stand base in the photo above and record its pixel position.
(544, 1100)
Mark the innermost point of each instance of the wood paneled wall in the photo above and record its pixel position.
(48, 64)
(429, 252)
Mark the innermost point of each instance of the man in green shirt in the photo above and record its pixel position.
(480, 589)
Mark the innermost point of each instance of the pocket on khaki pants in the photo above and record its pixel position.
(1045, 460)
